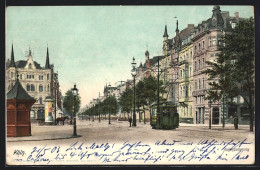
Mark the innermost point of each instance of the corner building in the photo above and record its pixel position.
(39, 82)
(207, 36)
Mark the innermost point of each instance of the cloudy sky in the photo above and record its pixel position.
(94, 45)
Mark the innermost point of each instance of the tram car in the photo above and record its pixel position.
(166, 117)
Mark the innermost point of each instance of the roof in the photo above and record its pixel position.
(154, 60)
(22, 64)
(18, 92)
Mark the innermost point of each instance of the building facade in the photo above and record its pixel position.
(39, 82)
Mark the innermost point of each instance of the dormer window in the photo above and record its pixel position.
(233, 25)
(30, 66)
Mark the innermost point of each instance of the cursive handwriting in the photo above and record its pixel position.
(173, 151)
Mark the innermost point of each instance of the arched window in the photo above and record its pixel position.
(32, 87)
(28, 87)
(40, 88)
(30, 66)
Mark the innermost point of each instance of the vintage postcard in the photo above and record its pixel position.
(130, 85)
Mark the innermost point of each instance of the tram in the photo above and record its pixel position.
(166, 117)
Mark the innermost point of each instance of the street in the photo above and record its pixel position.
(120, 131)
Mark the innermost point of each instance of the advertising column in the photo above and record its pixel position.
(48, 110)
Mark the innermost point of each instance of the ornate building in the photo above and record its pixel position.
(39, 82)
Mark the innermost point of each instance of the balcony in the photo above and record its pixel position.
(201, 92)
(183, 62)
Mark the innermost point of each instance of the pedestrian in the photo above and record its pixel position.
(236, 122)
(130, 121)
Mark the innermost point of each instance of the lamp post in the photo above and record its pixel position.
(209, 103)
(133, 72)
(75, 93)
(109, 91)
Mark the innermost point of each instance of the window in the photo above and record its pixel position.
(181, 92)
(28, 87)
(40, 100)
(181, 73)
(190, 71)
(33, 76)
(48, 76)
(195, 48)
(30, 66)
(196, 98)
(195, 84)
(199, 64)
(203, 86)
(30, 76)
(40, 88)
(21, 76)
(187, 90)
(190, 54)
(27, 76)
(199, 46)
(203, 44)
(195, 65)
(40, 77)
(32, 87)
(214, 41)
(199, 83)
(190, 91)
(203, 63)
(48, 88)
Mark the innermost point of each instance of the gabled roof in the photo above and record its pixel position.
(18, 92)
(22, 64)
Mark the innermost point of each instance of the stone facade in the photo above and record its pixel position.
(39, 82)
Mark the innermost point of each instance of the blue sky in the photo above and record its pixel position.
(94, 45)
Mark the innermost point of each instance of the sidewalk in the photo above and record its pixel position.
(46, 132)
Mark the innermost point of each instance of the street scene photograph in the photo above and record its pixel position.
(130, 85)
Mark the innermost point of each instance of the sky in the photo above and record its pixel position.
(94, 45)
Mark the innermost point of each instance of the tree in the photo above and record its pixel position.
(234, 68)
(126, 100)
(140, 98)
(68, 102)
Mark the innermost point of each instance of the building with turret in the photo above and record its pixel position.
(39, 82)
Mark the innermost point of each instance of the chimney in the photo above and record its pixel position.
(236, 15)
(190, 25)
(225, 14)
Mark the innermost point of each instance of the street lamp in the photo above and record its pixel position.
(75, 93)
(209, 103)
(109, 91)
(134, 72)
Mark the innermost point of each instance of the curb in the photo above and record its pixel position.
(39, 138)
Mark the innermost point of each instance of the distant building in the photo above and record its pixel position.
(39, 82)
